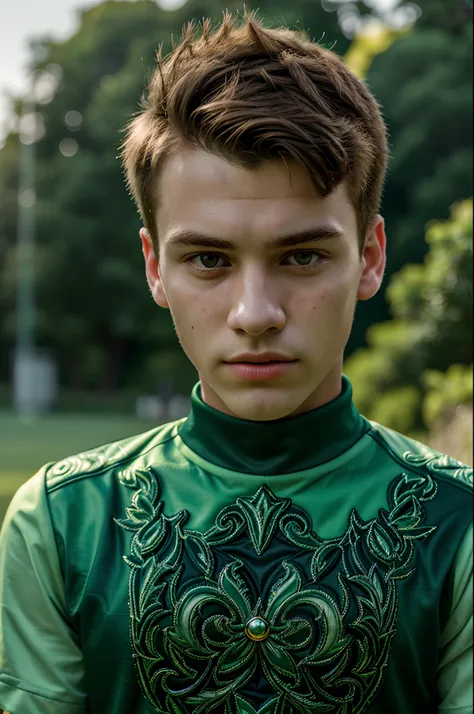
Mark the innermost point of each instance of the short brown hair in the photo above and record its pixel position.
(250, 94)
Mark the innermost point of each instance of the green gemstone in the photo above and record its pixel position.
(257, 629)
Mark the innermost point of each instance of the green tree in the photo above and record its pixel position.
(432, 309)
(93, 306)
(8, 221)
(450, 15)
(309, 15)
(446, 391)
(354, 15)
(423, 82)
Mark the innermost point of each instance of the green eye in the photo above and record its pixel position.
(209, 260)
(304, 257)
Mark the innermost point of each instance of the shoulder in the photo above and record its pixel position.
(416, 457)
(115, 456)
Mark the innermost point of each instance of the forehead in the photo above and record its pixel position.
(202, 191)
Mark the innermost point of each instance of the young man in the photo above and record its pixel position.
(274, 552)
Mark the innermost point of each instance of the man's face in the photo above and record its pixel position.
(237, 293)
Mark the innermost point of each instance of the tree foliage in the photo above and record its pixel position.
(446, 392)
(405, 377)
(423, 82)
(9, 177)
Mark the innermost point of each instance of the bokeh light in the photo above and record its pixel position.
(31, 128)
(73, 120)
(68, 147)
(27, 198)
(46, 84)
(171, 4)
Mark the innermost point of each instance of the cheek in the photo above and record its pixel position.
(339, 293)
(191, 316)
(329, 310)
(325, 303)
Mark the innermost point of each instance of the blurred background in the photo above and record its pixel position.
(85, 355)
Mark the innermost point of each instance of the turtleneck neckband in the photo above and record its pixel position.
(294, 443)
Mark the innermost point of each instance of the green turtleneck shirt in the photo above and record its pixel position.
(316, 564)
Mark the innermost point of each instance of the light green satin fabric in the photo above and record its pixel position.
(455, 671)
(41, 666)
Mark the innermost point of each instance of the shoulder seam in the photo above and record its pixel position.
(422, 469)
(105, 467)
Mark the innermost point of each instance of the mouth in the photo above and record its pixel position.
(260, 358)
(260, 371)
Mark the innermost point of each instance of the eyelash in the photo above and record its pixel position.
(288, 255)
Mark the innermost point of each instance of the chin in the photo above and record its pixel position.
(260, 405)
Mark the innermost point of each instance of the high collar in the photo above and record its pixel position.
(281, 446)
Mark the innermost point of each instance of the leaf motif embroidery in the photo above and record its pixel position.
(319, 633)
(262, 513)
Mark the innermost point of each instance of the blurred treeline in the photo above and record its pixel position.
(93, 309)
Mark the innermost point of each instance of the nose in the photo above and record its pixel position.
(256, 306)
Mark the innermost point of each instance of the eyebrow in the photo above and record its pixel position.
(201, 240)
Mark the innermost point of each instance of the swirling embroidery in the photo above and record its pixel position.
(420, 456)
(81, 463)
(440, 463)
(317, 626)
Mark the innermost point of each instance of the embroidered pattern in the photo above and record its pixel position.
(420, 456)
(81, 463)
(440, 464)
(261, 597)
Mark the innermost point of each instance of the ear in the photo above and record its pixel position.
(373, 260)
(152, 269)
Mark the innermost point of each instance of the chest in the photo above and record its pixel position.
(259, 614)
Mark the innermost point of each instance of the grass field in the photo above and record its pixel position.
(26, 445)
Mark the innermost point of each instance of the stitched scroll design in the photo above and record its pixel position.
(440, 464)
(314, 629)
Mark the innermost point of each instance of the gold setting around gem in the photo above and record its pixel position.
(257, 629)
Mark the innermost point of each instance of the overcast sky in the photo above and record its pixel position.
(21, 20)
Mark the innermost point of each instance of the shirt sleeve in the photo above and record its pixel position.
(455, 666)
(41, 665)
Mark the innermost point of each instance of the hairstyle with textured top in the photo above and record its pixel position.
(249, 94)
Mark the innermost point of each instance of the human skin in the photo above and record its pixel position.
(256, 297)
